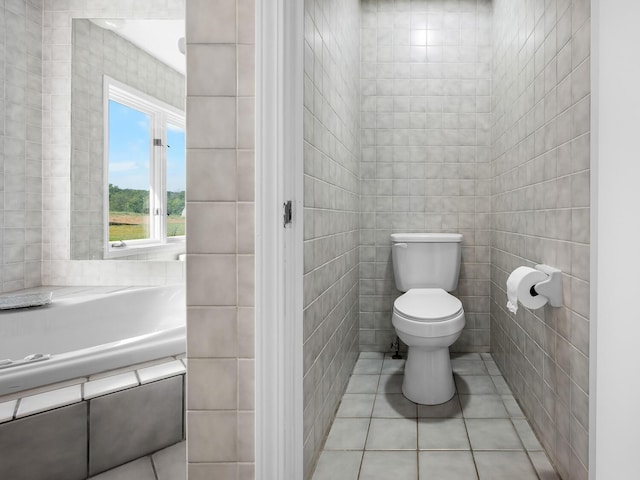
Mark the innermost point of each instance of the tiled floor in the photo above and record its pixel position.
(167, 464)
(480, 433)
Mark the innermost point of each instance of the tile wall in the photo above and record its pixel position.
(220, 248)
(98, 52)
(331, 211)
(20, 144)
(57, 15)
(540, 214)
(426, 86)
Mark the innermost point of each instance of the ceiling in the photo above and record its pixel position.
(159, 38)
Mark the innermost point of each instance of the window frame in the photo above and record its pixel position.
(161, 115)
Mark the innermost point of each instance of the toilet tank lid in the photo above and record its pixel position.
(426, 237)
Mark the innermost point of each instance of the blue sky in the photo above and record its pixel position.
(129, 146)
(175, 159)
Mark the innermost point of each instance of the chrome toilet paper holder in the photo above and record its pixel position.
(551, 287)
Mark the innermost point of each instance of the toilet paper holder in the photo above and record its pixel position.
(551, 287)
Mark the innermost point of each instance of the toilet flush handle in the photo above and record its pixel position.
(401, 249)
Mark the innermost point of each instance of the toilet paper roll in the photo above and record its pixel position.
(519, 286)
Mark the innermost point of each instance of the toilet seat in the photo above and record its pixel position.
(428, 305)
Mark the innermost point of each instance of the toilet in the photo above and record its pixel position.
(427, 318)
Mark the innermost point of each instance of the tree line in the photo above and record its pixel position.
(137, 201)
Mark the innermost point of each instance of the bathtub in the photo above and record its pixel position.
(88, 334)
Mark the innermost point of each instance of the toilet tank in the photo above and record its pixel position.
(426, 260)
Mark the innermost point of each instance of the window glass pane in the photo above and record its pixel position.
(176, 180)
(129, 172)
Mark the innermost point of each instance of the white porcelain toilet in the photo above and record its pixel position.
(427, 318)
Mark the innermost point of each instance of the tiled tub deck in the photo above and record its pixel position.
(81, 428)
(480, 434)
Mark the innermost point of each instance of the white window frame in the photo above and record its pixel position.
(161, 114)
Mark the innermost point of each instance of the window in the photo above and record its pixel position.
(145, 165)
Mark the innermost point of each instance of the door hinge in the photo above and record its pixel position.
(288, 213)
(157, 142)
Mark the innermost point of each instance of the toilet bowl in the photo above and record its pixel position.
(428, 321)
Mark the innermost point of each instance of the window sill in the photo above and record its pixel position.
(178, 245)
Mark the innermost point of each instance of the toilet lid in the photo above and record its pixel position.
(427, 305)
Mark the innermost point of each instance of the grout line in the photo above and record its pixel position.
(364, 447)
(153, 467)
(88, 436)
(466, 430)
(418, 441)
(15, 409)
(533, 466)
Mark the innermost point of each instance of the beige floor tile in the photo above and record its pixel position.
(504, 466)
(447, 465)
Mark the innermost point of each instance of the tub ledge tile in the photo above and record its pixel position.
(115, 383)
(7, 409)
(49, 400)
(164, 370)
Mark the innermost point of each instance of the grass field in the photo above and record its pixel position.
(134, 226)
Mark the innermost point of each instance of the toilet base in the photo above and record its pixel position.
(428, 378)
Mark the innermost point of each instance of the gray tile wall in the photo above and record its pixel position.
(220, 243)
(20, 144)
(540, 214)
(426, 86)
(98, 52)
(331, 211)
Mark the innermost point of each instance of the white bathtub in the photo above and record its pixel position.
(90, 334)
